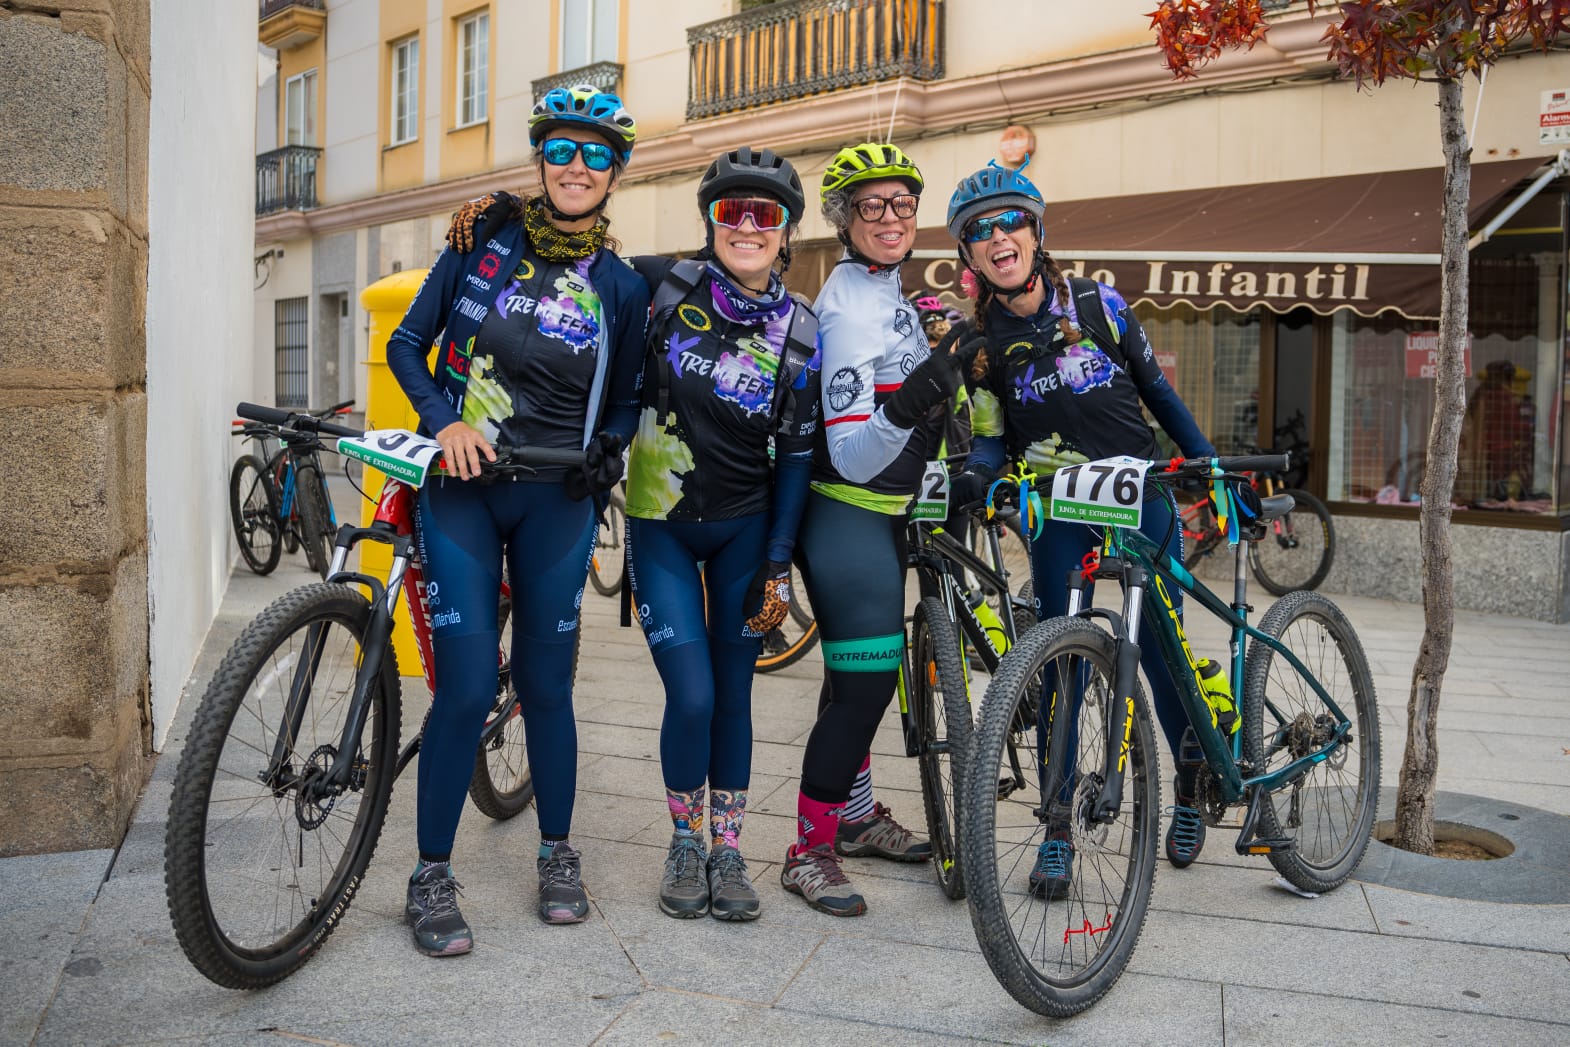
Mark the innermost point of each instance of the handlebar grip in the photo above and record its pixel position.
(258, 413)
(293, 420)
(1254, 463)
(543, 457)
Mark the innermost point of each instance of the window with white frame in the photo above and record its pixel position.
(588, 32)
(406, 91)
(300, 109)
(473, 65)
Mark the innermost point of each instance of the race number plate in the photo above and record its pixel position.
(399, 453)
(1106, 492)
(932, 501)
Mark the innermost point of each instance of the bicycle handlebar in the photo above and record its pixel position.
(1187, 468)
(506, 457)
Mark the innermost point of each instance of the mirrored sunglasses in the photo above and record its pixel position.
(597, 156)
(871, 208)
(766, 215)
(1009, 221)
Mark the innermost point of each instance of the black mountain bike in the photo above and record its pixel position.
(288, 770)
(278, 497)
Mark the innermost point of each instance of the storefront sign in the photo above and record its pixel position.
(1422, 355)
(1167, 361)
(1553, 118)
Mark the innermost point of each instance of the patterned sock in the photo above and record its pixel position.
(816, 822)
(686, 810)
(422, 864)
(727, 807)
(859, 806)
(548, 847)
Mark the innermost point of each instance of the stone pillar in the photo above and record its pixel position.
(74, 721)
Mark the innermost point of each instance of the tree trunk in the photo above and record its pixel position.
(1420, 764)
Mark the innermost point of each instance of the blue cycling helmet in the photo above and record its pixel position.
(584, 105)
(988, 189)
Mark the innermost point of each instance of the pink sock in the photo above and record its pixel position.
(816, 822)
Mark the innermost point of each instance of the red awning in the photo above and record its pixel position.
(1369, 243)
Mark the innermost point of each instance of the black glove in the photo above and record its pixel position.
(602, 468)
(768, 597)
(970, 487)
(936, 380)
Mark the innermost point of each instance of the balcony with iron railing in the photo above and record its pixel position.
(604, 75)
(290, 23)
(797, 48)
(286, 179)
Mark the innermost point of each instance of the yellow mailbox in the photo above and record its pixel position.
(387, 408)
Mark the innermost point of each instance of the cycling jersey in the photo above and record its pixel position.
(1057, 403)
(709, 459)
(871, 341)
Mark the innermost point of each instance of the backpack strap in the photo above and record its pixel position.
(801, 344)
(1093, 319)
(679, 281)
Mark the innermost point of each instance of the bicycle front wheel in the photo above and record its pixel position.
(1328, 813)
(796, 635)
(940, 701)
(263, 852)
(610, 550)
(502, 785)
(316, 520)
(1058, 900)
(1297, 550)
(253, 512)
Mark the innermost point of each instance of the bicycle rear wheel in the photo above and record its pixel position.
(796, 635)
(262, 857)
(1328, 813)
(316, 520)
(610, 550)
(940, 701)
(1297, 550)
(1059, 944)
(253, 512)
(502, 785)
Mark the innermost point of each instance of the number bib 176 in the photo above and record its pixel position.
(399, 453)
(1109, 492)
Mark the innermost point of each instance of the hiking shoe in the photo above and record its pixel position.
(562, 897)
(432, 909)
(1053, 874)
(815, 874)
(684, 890)
(880, 836)
(1185, 837)
(731, 895)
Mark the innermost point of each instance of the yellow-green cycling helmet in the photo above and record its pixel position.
(868, 162)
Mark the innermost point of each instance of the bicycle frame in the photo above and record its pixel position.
(1145, 574)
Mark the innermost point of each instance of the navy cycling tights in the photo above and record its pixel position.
(854, 569)
(465, 529)
(706, 666)
(1062, 546)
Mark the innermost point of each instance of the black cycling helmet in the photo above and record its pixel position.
(762, 170)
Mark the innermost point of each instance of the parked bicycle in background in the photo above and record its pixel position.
(278, 497)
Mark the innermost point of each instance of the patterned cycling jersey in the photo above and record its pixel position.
(534, 356)
(871, 341)
(1065, 403)
(709, 458)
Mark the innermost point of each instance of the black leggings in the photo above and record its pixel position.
(853, 563)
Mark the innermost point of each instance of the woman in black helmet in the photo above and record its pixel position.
(732, 364)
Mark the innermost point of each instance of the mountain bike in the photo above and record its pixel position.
(608, 561)
(1304, 764)
(287, 773)
(278, 498)
(1295, 553)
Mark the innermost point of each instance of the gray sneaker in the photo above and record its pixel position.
(731, 896)
(684, 890)
(815, 874)
(880, 836)
(432, 909)
(562, 897)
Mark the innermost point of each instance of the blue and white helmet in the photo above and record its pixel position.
(584, 105)
(988, 189)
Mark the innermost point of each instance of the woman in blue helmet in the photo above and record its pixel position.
(1065, 370)
(541, 339)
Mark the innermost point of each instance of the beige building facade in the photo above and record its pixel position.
(1276, 228)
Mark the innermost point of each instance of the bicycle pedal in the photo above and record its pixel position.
(1006, 788)
(1262, 845)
